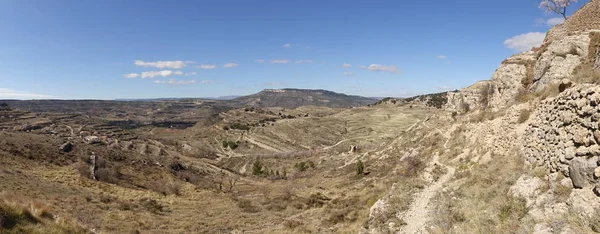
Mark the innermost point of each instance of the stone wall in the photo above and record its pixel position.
(564, 135)
(586, 18)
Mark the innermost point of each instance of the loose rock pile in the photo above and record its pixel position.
(564, 135)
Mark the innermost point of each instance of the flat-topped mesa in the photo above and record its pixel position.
(275, 90)
(566, 48)
(292, 98)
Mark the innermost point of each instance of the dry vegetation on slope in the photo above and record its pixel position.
(175, 180)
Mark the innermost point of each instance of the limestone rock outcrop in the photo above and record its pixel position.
(559, 58)
(469, 98)
(565, 48)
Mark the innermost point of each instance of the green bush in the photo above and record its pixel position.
(230, 144)
(303, 166)
(240, 126)
(360, 167)
(257, 168)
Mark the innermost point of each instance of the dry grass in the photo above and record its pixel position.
(524, 115)
(593, 46)
(550, 90)
(36, 218)
(324, 197)
(562, 192)
(485, 115)
(482, 203)
(586, 74)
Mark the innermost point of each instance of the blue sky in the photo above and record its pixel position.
(84, 49)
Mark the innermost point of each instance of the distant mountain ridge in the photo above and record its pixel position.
(175, 99)
(285, 98)
(292, 98)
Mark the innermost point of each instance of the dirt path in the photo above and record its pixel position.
(261, 145)
(349, 139)
(418, 215)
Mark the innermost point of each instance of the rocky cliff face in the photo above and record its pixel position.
(524, 144)
(469, 98)
(566, 47)
(557, 59)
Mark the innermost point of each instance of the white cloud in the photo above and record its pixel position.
(525, 41)
(539, 22)
(190, 74)
(182, 82)
(287, 45)
(444, 88)
(13, 94)
(274, 83)
(131, 75)
(384, 68)
(260, 61)
(175, 82)
(280, 61)
(208, 66)
(304, 61)
(554, 21)
(348, 73)
(346, 65)
(442, 57)
(230, 65)
(163, 73)
(162, 64)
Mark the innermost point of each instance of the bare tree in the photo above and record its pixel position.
(557, 6)
(232, 180)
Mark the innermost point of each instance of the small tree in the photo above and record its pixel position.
(257, 168)
(557, 6)
(232, 180)
(360, 167)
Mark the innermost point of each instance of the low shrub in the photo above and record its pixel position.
(230, 144)
(247, 206)
(524, 115)
(166, 188)
(317, 200)
(291, 223)
(153, 206)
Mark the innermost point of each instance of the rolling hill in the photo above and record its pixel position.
(292, 98)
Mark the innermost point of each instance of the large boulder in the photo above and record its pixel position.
(93, 140)
(581, 171)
